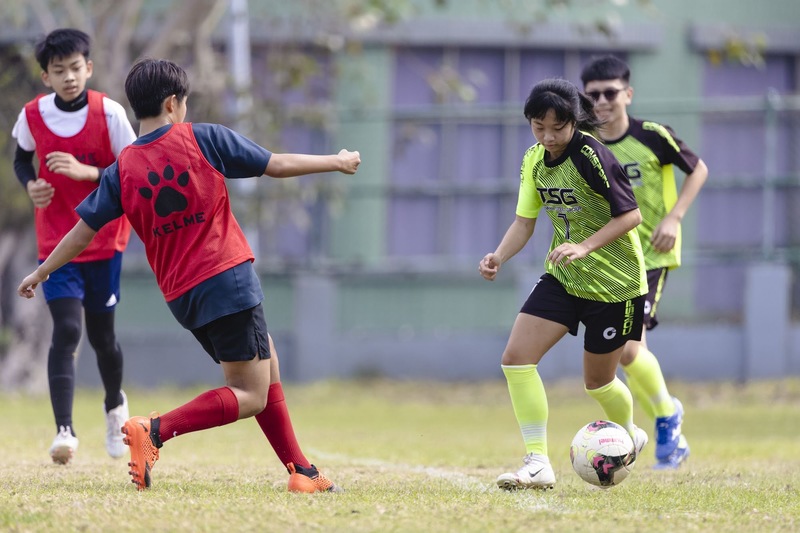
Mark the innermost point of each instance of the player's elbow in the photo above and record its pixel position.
(277, 167)
(701, 171)
(633, 218)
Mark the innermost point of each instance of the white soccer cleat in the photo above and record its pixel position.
(640, 440)
(115, 419)
(535, 474)
(64, 446)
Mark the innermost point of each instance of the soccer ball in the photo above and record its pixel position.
(602, 453)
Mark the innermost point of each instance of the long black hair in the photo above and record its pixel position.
(566, 101)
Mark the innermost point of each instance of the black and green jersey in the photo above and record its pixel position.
(648, 152)
(581, 191)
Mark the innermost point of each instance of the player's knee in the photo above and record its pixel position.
(67, 332)
(103, 341)
(513, 357)
(253, 401)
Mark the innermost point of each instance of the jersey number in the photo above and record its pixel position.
(566, 224)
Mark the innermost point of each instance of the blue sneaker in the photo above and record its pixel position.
(676, 458)
(671, 446)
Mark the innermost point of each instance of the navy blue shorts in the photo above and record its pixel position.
(95, 283)
(237, 337)
(608, 325)
(656, 279)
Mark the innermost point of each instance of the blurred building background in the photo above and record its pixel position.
(376, 274)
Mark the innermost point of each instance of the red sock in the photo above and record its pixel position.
(277, 426)
(211, 409)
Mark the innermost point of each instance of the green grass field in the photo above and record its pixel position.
(412, 457)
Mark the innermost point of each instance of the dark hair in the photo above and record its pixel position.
(61, 43)
(150, 81)
(568, 103)
(606, 68)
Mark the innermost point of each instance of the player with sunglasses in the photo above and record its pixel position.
(648, 152)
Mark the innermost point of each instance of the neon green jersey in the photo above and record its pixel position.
(648, 152)
(581, 191)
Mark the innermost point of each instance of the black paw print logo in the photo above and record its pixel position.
(168, 200)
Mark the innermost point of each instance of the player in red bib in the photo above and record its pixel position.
(75, 133)
(171, 184)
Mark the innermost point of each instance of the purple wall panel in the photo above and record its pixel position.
(525, 140)
(478, 158)
(483, 69)
(729, 217)
(416, 149)
(720, 294)
(729, 147)
(476, 227)
(413, 226)
(733, 79)
(734, 147)
(413, 67)
(536, 65)
(293, 241)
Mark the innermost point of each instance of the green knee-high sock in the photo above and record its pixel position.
(645, 378)
(530, 405)
(616, 401)
(639, 395)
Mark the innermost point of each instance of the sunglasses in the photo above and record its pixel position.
(610, 94)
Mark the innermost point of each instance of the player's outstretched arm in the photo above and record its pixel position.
(515, 239)
(290, 165)
(70, 246)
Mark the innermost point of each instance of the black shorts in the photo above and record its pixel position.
(608, 325)
(656, 279)
(237, 337)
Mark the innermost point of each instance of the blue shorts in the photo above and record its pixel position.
(95, 283)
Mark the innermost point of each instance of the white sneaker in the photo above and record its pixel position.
(536, 474)
(115, 419)
(64, 446)
(640, 440)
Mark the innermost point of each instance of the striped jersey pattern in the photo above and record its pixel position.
(581, 191)
(648, 152)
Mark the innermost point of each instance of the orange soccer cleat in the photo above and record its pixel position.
(144, 451)
(309, 480)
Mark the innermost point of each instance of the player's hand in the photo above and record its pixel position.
(349, 161)
(66, 164)
(41, 192)
(566, 253)
(665, 234)
(489, 266)
(28, 286)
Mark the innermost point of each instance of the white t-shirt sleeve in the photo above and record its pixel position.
(120, 130)
(67, 124)
(22, 133)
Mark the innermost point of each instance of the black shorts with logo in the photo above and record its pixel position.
(237, 337)
(656, 279)
(608, 325)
